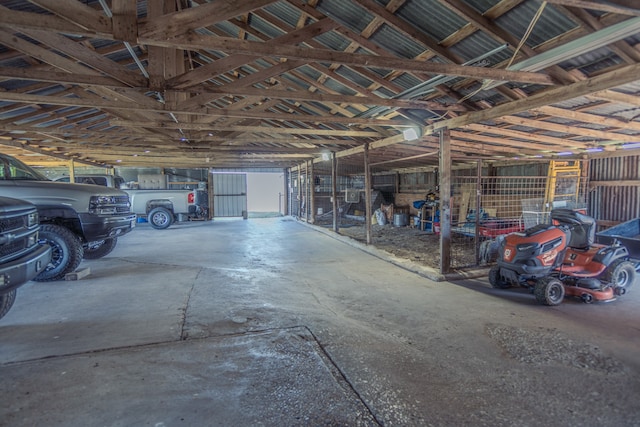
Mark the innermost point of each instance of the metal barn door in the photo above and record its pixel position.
(229, 194)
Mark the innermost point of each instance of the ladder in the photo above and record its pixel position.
(563, 183)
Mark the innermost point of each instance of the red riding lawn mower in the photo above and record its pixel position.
(560, 259)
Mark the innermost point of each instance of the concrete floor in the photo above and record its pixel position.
(268, 322)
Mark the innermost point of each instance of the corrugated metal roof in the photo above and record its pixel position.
(551, 23)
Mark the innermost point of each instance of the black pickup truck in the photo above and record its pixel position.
(77, 220)
(22, 257)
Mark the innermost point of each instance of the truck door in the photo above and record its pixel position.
(229, 194)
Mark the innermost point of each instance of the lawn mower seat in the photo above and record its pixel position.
(583, 227)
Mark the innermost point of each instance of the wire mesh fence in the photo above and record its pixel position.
(482, 208)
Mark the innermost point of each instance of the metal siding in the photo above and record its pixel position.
(615, 203)
(229, 195)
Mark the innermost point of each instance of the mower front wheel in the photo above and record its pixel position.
(496, 280)
(549, 291)
(621, 274)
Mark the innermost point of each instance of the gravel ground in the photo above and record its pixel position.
(411, 243)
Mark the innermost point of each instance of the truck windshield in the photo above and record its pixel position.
(13, 170)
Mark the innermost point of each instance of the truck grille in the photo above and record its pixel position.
(10, 224)
(12, 248)
(15, 234)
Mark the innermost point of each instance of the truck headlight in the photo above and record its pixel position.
(102, 204)
(32, 219)
(32, 240)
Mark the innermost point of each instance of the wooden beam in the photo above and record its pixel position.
(605, 81)
(37, 21)
(587, 118)
(571, 130)
(255, 129)
(77, 13)
(191, 41)
(125, 20)
(603, 6)
(173, 24)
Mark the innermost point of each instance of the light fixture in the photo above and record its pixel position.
(631, 145)
(565, 153)
(410, 134)
(326, 156)
(594, 150)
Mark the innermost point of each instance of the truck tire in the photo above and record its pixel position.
(160, 218)
(66, 252)
(6, 301)
(99, 249)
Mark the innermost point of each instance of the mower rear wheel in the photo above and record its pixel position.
(549, 291)
(496, 280)
(621, 274)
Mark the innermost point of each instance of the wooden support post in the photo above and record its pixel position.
(478, 205)
(445, 200)
(211, 192)
(312, 193)
(306, 191)
(299, 213)
(72, 171)
(283, 204)
(334, 190)
(367, 193)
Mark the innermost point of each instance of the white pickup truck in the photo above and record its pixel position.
(161, 207)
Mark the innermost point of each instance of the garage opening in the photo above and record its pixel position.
(265, 194)
(248, 194)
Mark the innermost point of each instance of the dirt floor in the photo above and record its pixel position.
(421, 247)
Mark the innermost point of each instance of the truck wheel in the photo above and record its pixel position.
(6, 301)
(621, 274)
(101, 248)
(66, 252)
(549, 291)
(160, 218)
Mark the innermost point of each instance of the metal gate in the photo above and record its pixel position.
(229, 194)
